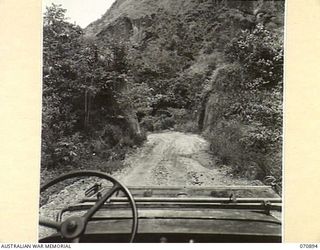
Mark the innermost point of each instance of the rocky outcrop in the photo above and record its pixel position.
(258, 10)
(169, 35)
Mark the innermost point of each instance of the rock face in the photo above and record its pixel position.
(134, 10)
(169, 37)
(134, 14)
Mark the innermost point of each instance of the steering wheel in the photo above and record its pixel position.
(73, 227)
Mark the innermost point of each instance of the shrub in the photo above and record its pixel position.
(246, 105)
(184, 120)
(112, 134)
(157, 125)
(167, 122)
(163, 122)
(260, 53)
(187, 126)
(228, 78)
(234, 144)
(138, 139)
(127, 141)
(68, 151)
(225, 140)
(147, 123)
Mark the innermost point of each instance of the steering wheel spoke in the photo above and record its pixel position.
(101, 201)
(74, 227)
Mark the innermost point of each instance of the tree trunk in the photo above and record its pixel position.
(87, 106)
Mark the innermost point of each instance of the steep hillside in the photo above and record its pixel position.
(167, 38)
(138, 9)
(209, 66)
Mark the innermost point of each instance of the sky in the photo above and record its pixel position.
(82, 12)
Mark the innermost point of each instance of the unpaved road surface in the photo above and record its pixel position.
(176, 159)
(166, 159)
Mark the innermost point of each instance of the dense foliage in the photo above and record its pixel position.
(247, 131)
(213, 67)
(83, 105)
(216, 69)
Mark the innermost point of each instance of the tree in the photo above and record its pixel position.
(82, 83)
(249, 88)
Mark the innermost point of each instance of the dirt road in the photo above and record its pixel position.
(176, 159)
(166, 159)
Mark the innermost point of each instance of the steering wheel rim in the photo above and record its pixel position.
(80, 222)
